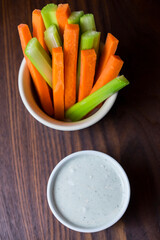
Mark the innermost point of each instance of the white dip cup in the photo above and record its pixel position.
(59, 172)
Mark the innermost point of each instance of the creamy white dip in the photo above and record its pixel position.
(88, 191)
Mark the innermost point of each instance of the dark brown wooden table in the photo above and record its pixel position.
(130, 132)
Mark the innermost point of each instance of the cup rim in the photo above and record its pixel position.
(121, 210)
(60, 125)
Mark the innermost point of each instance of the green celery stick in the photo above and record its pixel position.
(74, 18)
(40, 59)
(49, 15)
(52, 38)
(87, 23)
(89, 39)
(80, 109)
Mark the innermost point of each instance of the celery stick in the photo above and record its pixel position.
(80, 109)
(52, 38)
(89, 39)
(87, 23)
(49, 15)
(74, 18)
(40, 59)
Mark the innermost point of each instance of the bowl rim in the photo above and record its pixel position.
(60, 125)
(113, 163)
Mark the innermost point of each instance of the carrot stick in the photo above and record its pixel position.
(62, 14)
(110, 72)
(38, 27)
(108, 50)
(88, 64)
(42, 88)
(58, 82)
(71, 37)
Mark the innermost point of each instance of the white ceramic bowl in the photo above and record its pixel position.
(122, 176)
(26, 93)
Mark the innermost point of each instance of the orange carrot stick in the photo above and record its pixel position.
(38, 27)
(62, 14)
(108, 50)
(110, 72)
(58, 82)
(41, 86)
(71, 36)
(88, 64)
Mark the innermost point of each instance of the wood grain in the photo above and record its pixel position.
(130, 132)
